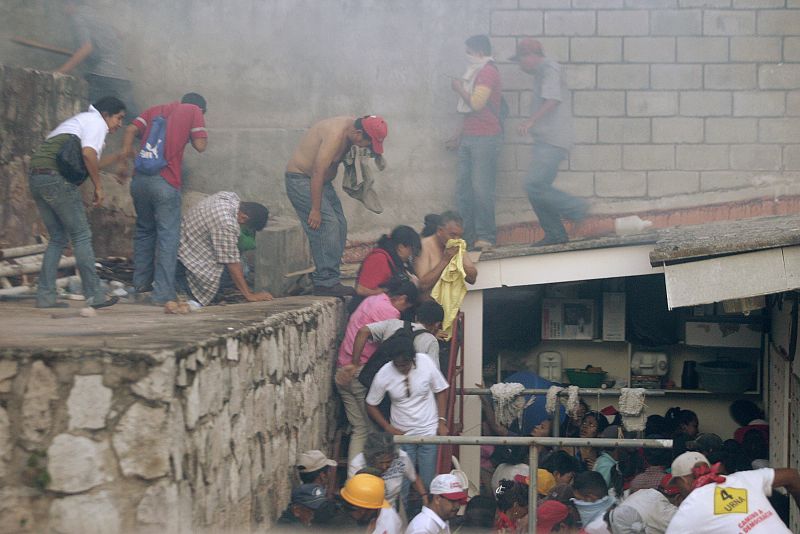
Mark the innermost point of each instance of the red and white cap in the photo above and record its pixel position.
(450, 487)
(683, 464)
(375, 127)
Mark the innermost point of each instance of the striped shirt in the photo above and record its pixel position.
(209, 240)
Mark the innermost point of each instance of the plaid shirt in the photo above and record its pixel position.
(209, 239)
(649, 479)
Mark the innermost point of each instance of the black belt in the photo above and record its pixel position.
(44, 171)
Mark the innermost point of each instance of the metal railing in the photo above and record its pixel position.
(533, 454)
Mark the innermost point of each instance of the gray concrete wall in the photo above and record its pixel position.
(200, 438)
(32, 103)
(678, 103)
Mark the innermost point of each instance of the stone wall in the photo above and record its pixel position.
(169, 441)
(32, 103)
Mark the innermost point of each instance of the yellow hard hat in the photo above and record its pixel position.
(365, 491)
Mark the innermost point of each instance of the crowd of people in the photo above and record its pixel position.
(391, 367)
(703, 484)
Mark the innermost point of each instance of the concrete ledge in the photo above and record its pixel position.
(138, 421)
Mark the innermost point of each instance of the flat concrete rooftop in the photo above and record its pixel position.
(129, 328)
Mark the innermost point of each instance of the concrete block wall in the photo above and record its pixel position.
(203, 438)
(671, 98)
(708, 82)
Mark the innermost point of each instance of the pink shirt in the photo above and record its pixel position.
(371, 310)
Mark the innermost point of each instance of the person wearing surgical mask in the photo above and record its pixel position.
(478, 142)
(592, 501)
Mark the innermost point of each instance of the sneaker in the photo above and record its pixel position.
(339, 290)
(550, 241)
(110, 301)
(482, 244)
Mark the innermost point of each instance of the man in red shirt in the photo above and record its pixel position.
(478, 142)
(157, 198)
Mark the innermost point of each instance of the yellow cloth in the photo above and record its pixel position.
(451, 287)
(479, 97)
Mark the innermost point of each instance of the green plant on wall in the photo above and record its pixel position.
(36, 470)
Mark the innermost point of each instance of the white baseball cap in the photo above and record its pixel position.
(450, 487)
(311, 461)
(683, 464)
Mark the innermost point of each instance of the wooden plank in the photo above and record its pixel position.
(41, 46)
(27, 250)
(31, 268)
(307, 270)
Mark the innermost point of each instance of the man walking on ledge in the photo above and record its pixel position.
(309, 174)
(550, 124)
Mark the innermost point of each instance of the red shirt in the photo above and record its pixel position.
(376, 269)
(184, 122)
(485, 122)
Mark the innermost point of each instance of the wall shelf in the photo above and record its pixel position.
(678, 391)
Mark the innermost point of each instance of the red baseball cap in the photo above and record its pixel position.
(375, 127)
(526, 47)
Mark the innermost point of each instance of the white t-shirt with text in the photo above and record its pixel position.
(738, 505)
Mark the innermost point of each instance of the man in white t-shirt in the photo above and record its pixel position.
(447, 496)
(60, 202)
(416, 390)
(733, 503)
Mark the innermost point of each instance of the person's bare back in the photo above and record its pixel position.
(323, 145)
(429, 257)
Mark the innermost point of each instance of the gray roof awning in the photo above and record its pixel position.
(729, 259)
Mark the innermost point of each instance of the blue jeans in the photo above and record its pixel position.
(475, 186)
(549, 203)
(424, 458)
(61, 207)
(157, 234)
(327, 242)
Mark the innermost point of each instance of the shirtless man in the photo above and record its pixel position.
(434, 257)
(309, 174)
